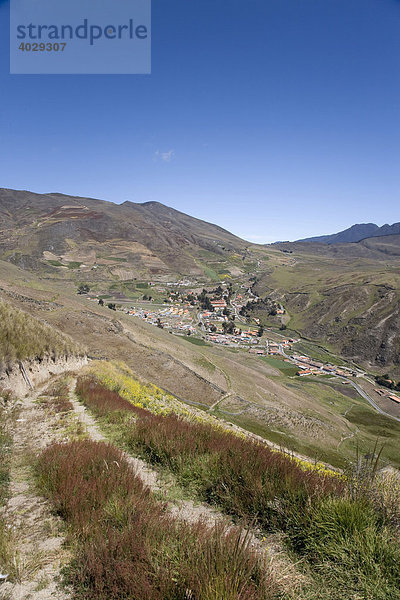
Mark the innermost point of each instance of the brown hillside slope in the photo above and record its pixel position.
(149, 239)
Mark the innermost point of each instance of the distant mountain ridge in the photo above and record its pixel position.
(356, 233)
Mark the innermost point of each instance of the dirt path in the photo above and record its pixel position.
(228, 395)
(39, 543)
(183, 509)
(191, 512)
(37, 537)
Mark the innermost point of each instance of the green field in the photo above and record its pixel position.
(194, 340)
(285, 368)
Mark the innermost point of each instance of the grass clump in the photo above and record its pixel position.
(56, 397)
(194, 340)
(387, 496)
(55, 263)
(349, 546)
(23, 337)
(126, 545)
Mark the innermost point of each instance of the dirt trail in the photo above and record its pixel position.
(227, 395)
(37, 534)
(184, 509)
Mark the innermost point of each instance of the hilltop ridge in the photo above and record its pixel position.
(46, 231)
(356, 233)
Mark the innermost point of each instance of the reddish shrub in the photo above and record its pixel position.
(127, 546)
(245, 477)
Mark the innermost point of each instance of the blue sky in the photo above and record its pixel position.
(276, 119)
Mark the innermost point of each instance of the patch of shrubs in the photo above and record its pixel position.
(349, 541)
(127, 546)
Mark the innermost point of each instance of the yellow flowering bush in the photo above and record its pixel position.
(118, 377)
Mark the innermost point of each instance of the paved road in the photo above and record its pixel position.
(365, 395)
(358, 388)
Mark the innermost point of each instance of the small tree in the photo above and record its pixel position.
(83, 288)
(228, 327)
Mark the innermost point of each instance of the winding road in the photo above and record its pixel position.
(369, 399)
(358, 388)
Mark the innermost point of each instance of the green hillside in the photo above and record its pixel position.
(23, 336)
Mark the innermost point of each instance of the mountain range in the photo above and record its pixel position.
(57, 232)
(343, 296)
(356, 233)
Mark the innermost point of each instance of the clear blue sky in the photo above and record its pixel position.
(277, 119)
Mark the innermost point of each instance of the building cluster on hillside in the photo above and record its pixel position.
(172, 318)
(219, 304)
(238, 340)
(180, 283)
(275, 348)
(388, 394)
(309, 366)
(241, 300)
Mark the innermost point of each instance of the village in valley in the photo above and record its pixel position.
(220, 316)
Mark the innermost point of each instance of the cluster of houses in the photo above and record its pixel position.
(273, 348)
(309, 366)
(167, 284)
(218, 304)
(173, 318)
(389, 394)
(238, 339)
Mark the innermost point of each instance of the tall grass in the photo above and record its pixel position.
(353, 552)
(245, 478)
(387, 496)
(127, 546)
(23, 336)
(343, 528)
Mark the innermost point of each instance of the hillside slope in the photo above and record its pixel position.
(60, 234)
(25, 337)
(344, 296)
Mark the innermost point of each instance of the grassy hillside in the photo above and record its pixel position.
(343, 296)
(264, 396)
(350, 304)
(22, 337)
(341, 528)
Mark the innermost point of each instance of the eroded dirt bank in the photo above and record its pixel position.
(23, 376)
